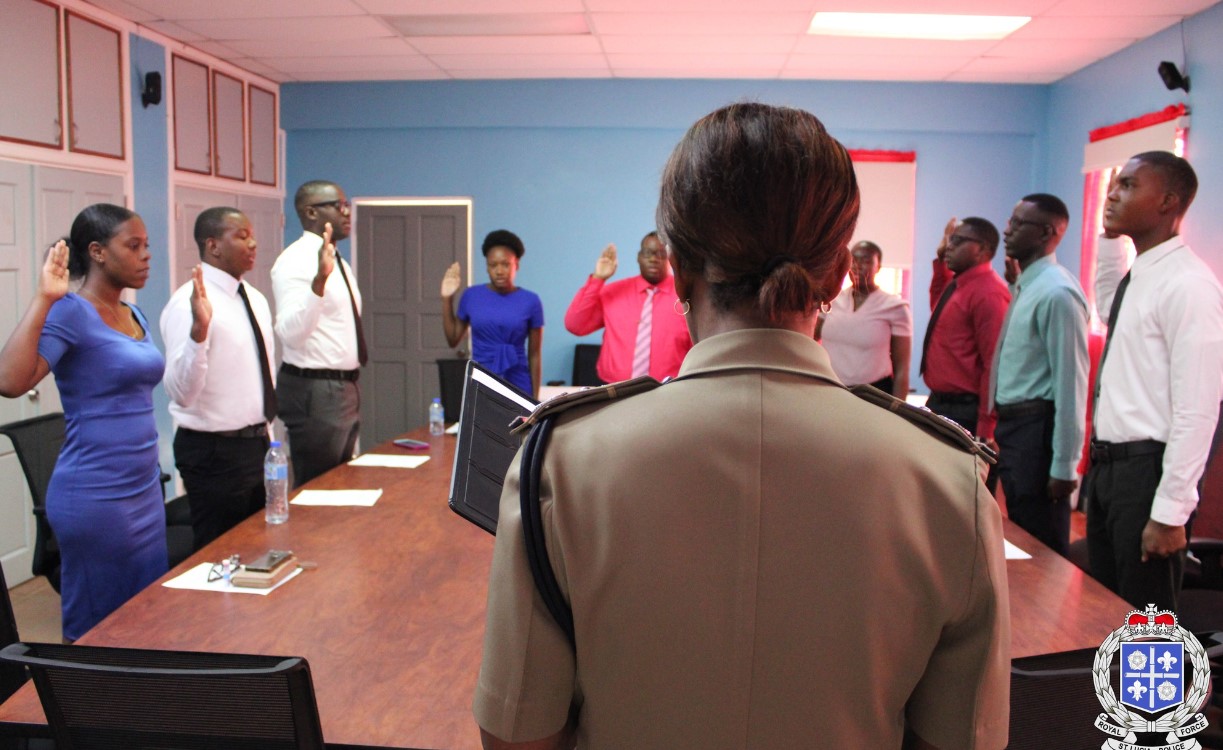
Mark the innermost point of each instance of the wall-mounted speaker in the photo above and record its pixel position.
(151, 93)
(1172, 77)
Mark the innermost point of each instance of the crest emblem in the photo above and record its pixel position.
(1164, 677)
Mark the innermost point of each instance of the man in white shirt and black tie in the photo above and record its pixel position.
(217, 331)
(1159, 384)
(318, 321)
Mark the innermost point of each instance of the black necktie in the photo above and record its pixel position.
(938, 310)
(1113, 309)
(362, 355)
(265, 369)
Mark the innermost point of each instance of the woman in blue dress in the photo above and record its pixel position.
(502, 317)
(104, 501)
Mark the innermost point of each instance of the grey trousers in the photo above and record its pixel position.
(323, 418)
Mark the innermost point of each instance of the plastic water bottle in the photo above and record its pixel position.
(276, 484)
(437, 417)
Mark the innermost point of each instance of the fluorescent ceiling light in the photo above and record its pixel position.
(915, 25)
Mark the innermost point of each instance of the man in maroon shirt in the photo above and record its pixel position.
(969, 301)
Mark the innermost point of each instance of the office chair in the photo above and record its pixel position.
(98, 698)
(1053, 702)
(37, 442)
(450, 376)
(12, 676)
(585, 358)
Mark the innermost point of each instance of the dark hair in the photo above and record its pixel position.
(97, 223)
(210, 225)
(761, 201)
(1179, 177)
(871, 247)
(306, 193)
(987, 230)
(503, 238)
(1049, 204)
(650, 234)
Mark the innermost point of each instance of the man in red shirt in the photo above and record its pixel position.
(644, 334)
(967, 316)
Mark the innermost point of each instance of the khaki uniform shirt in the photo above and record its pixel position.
(755, 558)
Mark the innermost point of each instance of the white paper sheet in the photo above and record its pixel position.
(196, 579)
(390, 460)
(364, 498)
(1014, 553)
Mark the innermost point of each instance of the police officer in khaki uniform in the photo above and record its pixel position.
(754, 557)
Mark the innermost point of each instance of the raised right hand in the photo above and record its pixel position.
(326, 254)
(605, 267)
(201, 307)
(947, 232)
(53, 280)
(451, 281)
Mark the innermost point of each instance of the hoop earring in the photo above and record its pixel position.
(676, 308)
(825, 307)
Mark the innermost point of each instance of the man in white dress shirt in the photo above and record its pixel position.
(1159, 385)
(318, 321)
(217, 331)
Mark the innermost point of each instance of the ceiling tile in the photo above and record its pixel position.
(807, 7)
(502, 45)
(721, 60)
(216, 49)
(985, 76)
(519, 62)
(455, 7)
(895, 74)
(740, 44)
(503, 73)
(182, 10)
(724, 24)
(958, 7)
(708, 73)
(301, 65)
(373, 74)
(126, 10)
(1092, 8)
(386, 45)
(1099, 27)
(259, 68)
(175, 31)
(1057, 49)
(848, 64)
(302, 29)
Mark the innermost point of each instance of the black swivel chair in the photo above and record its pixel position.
(12, 676)
(585, 358)
(451, 374)
(108, 698)
(37, 442)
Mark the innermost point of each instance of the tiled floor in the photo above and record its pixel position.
(36, 607)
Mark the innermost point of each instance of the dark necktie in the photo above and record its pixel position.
(1113, 309)
(938, 310)
(362, 354)
(265, 368)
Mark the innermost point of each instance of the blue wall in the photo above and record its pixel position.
(572, 165)
(150, 162)
(1126, 85)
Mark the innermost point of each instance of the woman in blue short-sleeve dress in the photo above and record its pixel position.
(104, 501)
(502, 317)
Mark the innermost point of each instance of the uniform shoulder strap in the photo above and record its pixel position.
(940, 427)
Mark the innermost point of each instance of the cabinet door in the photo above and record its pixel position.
(95, 93)
(228, 136)
(29, 73)
(191, 117)
(263, 135)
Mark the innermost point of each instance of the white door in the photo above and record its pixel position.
(37, 206)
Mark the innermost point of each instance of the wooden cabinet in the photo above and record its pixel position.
(30, 73)
(228, 119)
(192, 141)
(262, 135)
(95, 93)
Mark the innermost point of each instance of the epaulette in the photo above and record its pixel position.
(941, 427)
(564, 402)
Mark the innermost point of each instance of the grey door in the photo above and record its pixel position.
(402, 252)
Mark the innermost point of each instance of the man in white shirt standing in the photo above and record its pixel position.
(1159, 384)
(218, 335)
(318, 321)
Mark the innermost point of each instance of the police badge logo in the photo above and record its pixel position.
(1157, 658)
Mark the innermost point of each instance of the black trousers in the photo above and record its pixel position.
(1119, 495)
(961, 408)
(323, 418)
(1025, 454)
(223, 477)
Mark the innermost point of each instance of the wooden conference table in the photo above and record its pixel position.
(392, 619)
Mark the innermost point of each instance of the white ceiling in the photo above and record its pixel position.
(347, 40)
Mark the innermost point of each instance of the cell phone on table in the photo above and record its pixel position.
(268, 562)
(412, 445)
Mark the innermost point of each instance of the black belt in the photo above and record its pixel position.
(955, 398)
(251, 431)
(1031, 408)
(314, 374)
(1102, 452)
